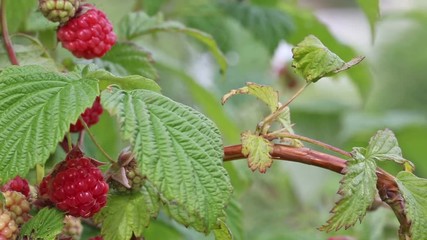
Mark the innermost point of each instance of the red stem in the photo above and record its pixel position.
(5, 33)
(386, 184)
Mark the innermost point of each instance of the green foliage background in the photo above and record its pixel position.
(291, 200)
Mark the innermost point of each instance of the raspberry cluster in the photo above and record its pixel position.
(90, 116)
(85, 30)
(76, 186)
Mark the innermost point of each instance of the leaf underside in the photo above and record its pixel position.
(36, 109)
(179, 150)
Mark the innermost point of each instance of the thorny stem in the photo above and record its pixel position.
(265, 124)
(92, 137)
(5, 33)
(386, 183)
(281, 134)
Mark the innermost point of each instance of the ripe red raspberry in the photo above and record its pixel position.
(59, 10)
(90, 116)
(8, 227)
(76, 185)
(88, 35)
(18, 206)
(17, 184)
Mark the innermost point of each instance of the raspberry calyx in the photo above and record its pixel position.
(126, 177)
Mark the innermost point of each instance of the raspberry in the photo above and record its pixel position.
(88, 35)
(59, 10)
(17, 184)
(18, 206)
(72, 228)
(128, 164)
(90, 116)
(76, 186)
(8, 226)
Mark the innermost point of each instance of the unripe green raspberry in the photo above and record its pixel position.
(132, 174)
(59, 10)
(8, 227)
(72, 228)
(18, 206)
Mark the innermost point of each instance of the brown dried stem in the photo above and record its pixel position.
(386, 184)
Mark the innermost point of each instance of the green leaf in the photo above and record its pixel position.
(371, 8)
(307, 23)
(313, 60)
(128, 214)
(357, 190)
(223, 233)
(267, 24)
(180, 152)
(46, 224)
(267, 94)
(414, 191)
(257, 149)
(36, 109)
(128, 59)
(138, 24)
(207, 102)
(128, 82)
(384, 147)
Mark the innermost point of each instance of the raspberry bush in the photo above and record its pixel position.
(79, 80)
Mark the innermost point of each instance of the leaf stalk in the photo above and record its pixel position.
(5, 33)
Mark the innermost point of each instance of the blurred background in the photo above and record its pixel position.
(387, 90)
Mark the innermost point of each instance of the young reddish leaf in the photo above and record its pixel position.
(357, 190)
(313, 60)
(414, 191)
(267, 94)
(257, 149)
